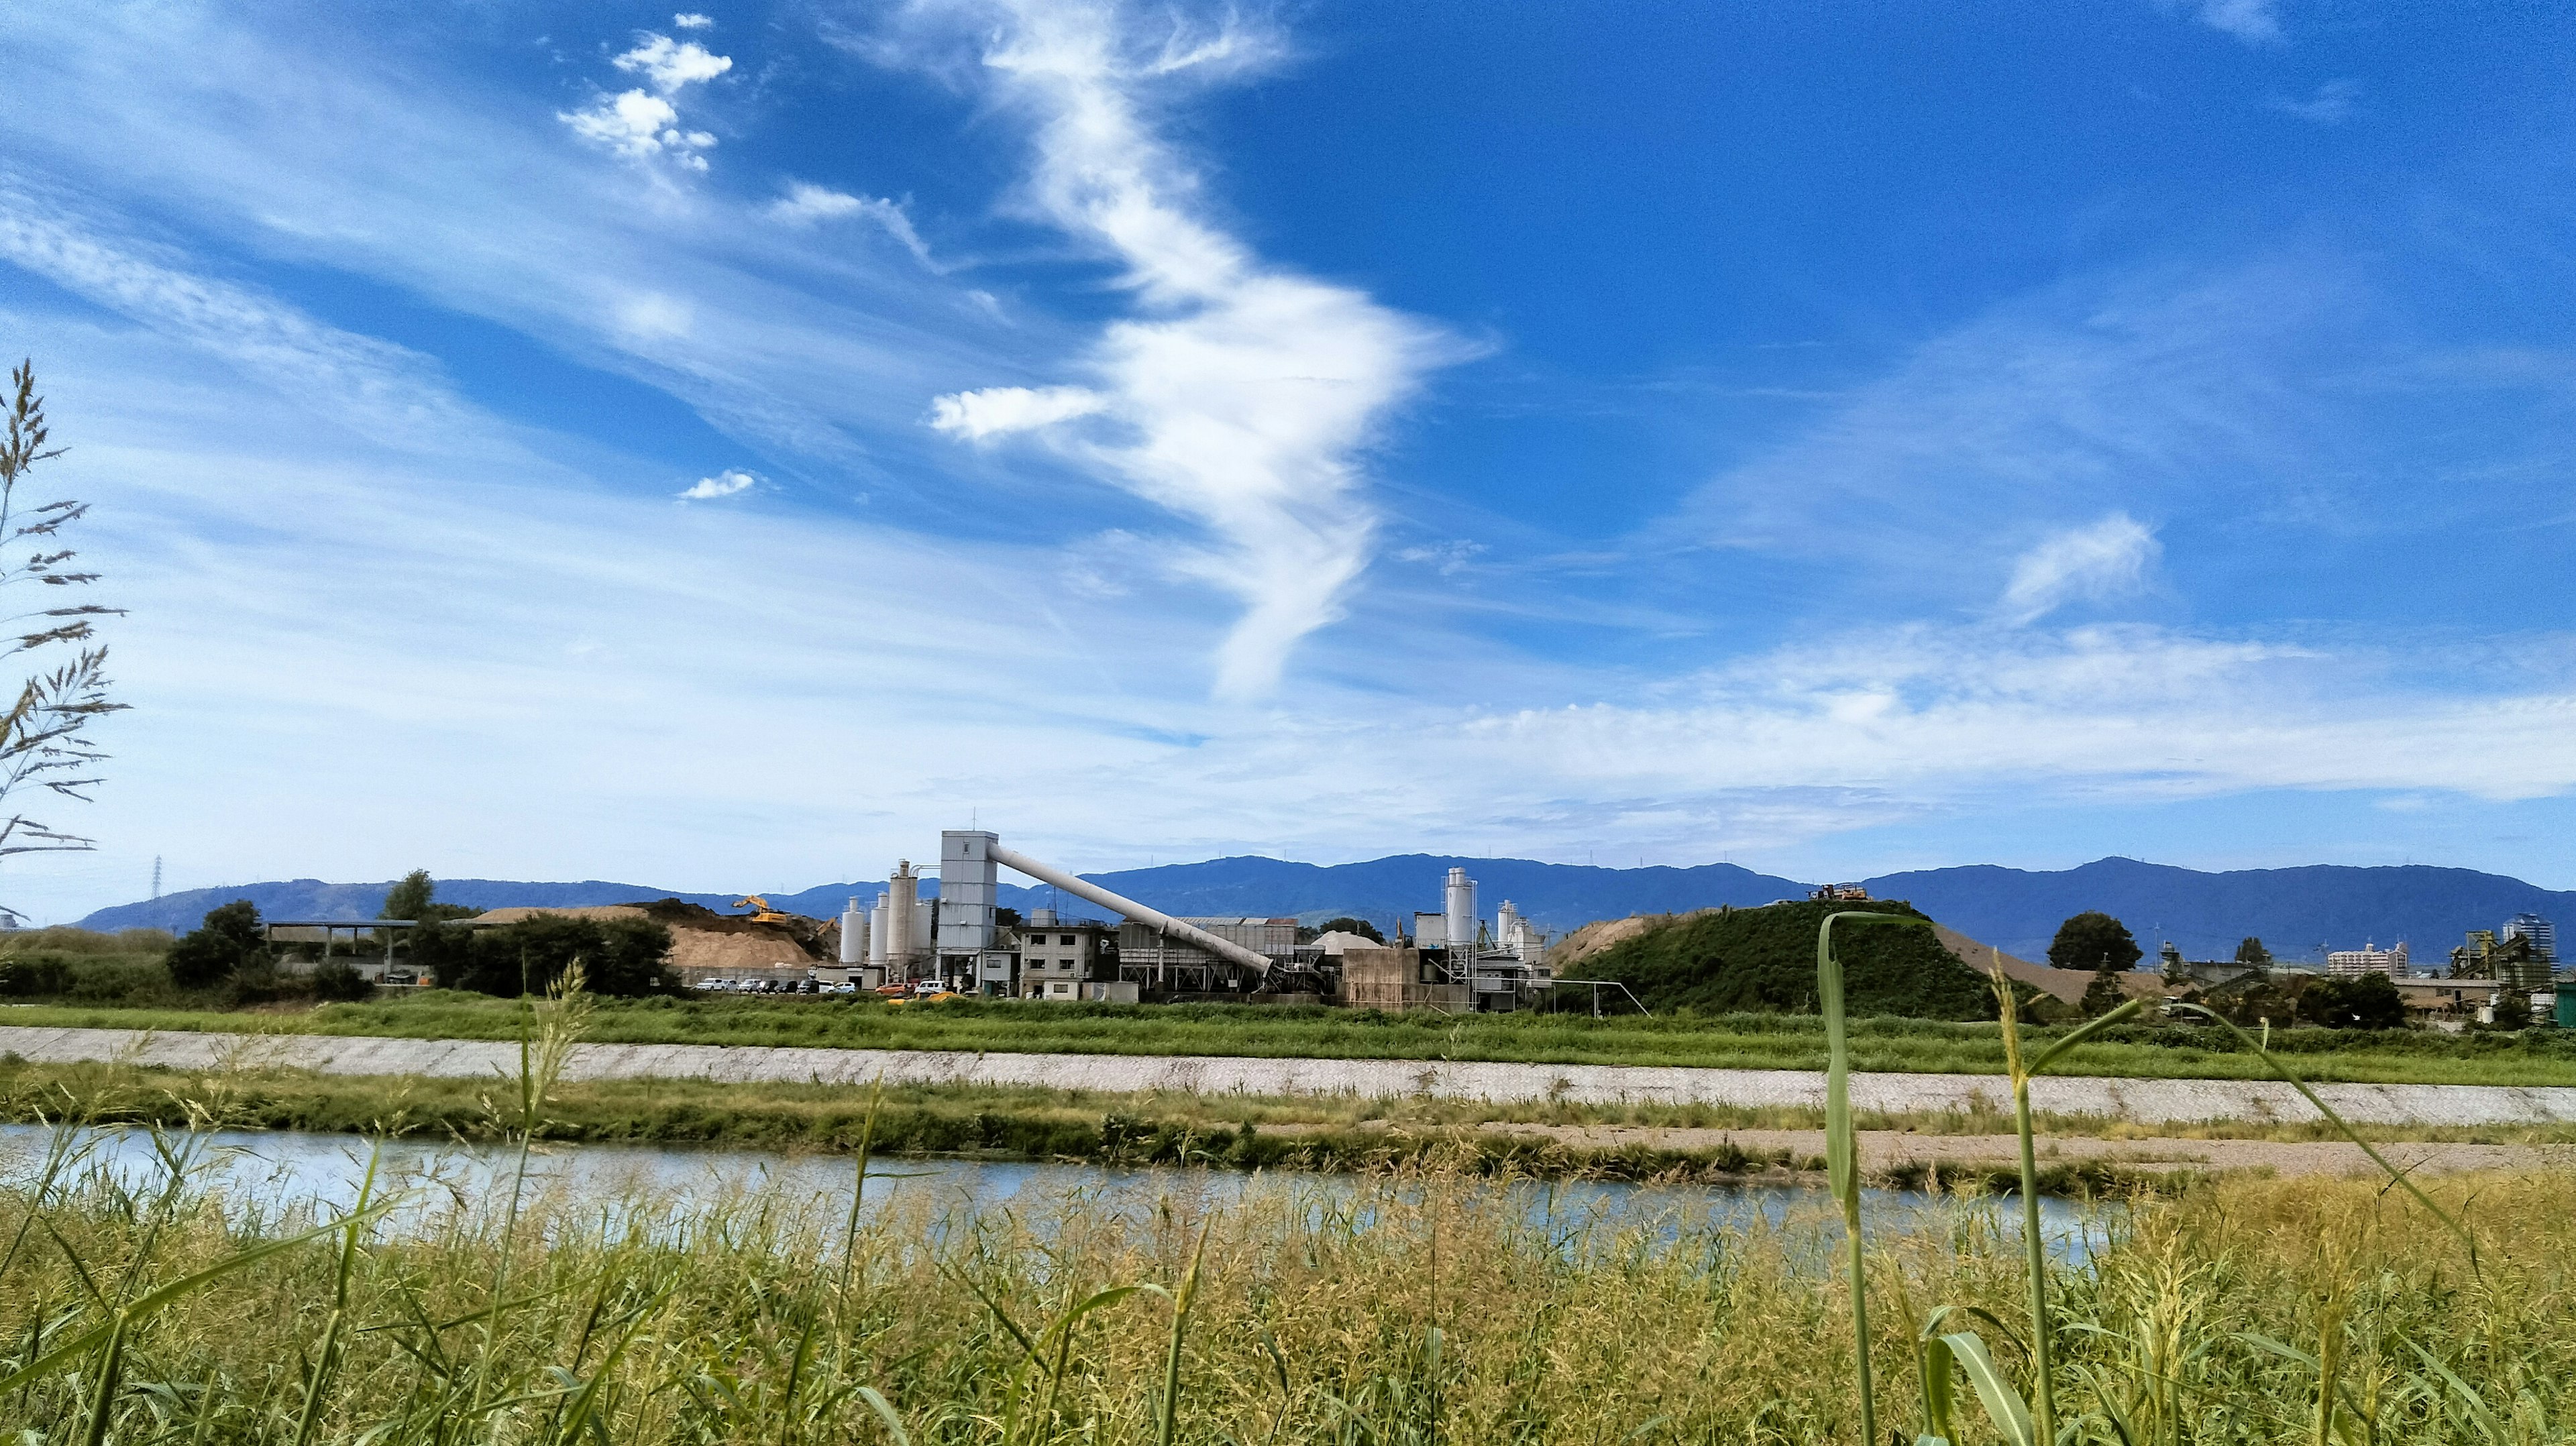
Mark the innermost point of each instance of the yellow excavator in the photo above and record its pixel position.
(761, 913)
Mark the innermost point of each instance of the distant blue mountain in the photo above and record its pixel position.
(2293, 910)
(314, 899)
(1389, 890)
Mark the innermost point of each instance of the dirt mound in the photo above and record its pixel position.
(1602, 934)
(2064, 984)
(701, 938)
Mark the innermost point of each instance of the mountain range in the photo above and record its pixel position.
(2296, 911)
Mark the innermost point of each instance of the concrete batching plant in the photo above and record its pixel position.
(1452, 960)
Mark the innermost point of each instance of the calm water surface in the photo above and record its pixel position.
(280, 1171)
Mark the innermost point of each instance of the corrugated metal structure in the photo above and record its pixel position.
(1400, 979)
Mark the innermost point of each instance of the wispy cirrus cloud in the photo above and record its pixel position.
(2331, 104)
(1239, 394)
(2107, 559)
(806, 204)
(2256, 22)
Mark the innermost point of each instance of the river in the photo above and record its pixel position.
(278, 1173)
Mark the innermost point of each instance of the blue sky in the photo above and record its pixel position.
(721, 448)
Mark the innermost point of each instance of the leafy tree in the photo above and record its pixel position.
(2252, 952)
(618, 956)
(410, 898)
(1348, 925)
(44, 743)
(229, 939)
(415, 897)
(2513, 1010)
(2093, 941)
(2363, 1001)
(2102, 995)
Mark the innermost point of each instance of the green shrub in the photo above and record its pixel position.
(65, 939)
(22, 977)
(619, 957)
(229, 941)
(335, 981)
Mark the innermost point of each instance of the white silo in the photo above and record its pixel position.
(903, 906)
(877, 934)
(854, 935)
(1461, 922)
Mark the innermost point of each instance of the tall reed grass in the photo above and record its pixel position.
(2026, 1413)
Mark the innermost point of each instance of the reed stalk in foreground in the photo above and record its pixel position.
(1842, 1146)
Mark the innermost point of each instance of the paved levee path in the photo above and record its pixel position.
(2160, 1101)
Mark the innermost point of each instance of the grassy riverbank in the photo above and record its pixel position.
(1731, 1041)
(1421, 1311)
(1236, 1131)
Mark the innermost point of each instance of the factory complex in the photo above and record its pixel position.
(1452, 959)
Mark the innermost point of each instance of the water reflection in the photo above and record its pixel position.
(273, 1173)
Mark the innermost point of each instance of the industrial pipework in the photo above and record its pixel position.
(1154, 919)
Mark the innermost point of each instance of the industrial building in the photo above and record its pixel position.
(1453, 960)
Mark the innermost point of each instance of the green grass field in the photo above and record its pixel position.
(1729, 1041)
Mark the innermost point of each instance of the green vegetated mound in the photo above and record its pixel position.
(1726, 960)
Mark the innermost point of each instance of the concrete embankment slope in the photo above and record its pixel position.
(2159, 1101)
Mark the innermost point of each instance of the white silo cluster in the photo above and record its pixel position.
(898, 928)
(1457, 929)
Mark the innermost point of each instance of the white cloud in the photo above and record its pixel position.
(670, 64)
(806, 204)
(732, 482)
(2106, 560)
(1242, 395)
(639, 126)
(2256, 22)
(1000, 411)
(2332, 105)
(691, 20)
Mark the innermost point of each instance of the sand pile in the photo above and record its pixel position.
(701, 938)
(1601, 934)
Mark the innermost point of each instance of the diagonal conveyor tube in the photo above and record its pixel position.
(1154, 919)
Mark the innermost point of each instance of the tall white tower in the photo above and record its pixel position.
(854, 935)
(903, 906)
(1461, 923)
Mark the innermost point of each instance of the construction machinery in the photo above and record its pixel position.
(761, 913)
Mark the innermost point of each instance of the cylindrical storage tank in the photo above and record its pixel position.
(877, 934)
(854, 935)
(1462, 911)
(903, 894)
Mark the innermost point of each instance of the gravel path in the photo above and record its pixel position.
(2159, 1101)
